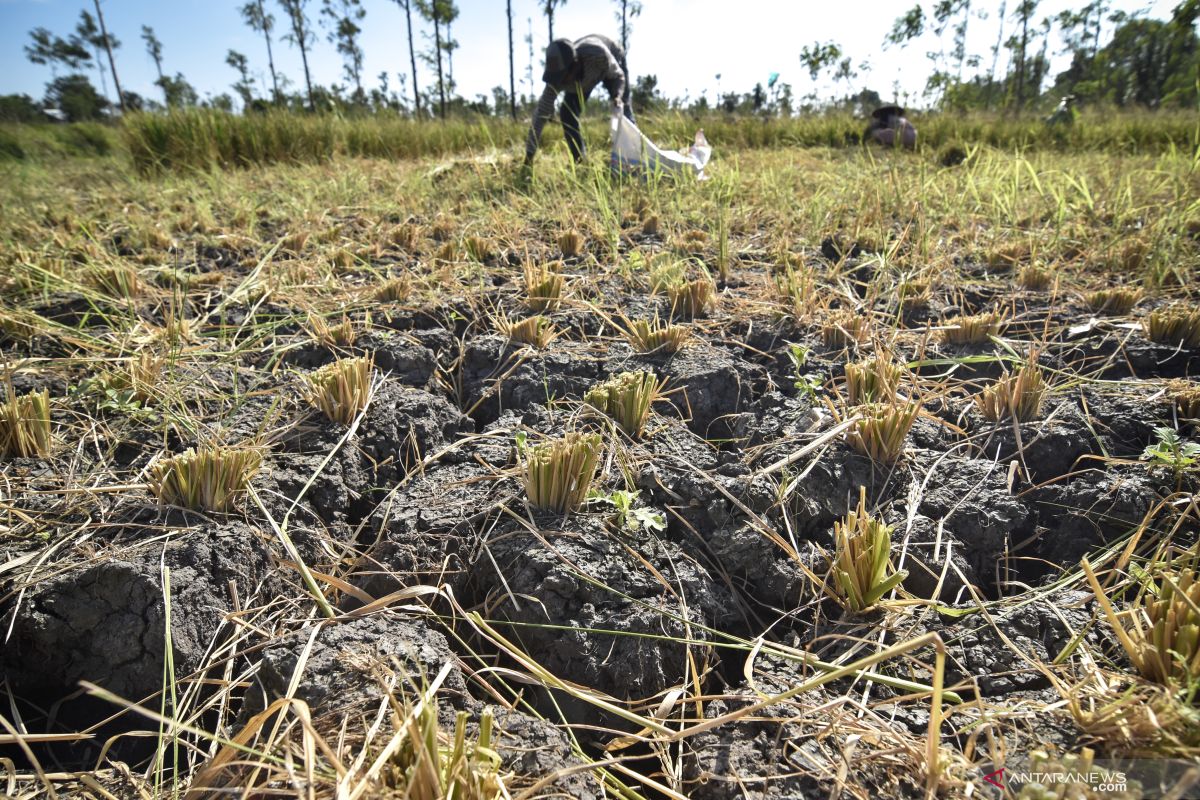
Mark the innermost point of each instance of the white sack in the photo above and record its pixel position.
(633, 152)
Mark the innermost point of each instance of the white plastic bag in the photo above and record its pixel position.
(633, 152)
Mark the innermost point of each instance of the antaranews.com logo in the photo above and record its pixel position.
(1083, 775)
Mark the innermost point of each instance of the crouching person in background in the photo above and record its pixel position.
(890, 128)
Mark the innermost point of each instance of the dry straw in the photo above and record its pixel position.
(874, 380)
(655, 337)
(879, 429)
(25, 424)
(207, 479)
(1161, 632)
(1016, 395)
(691, 299)
(570, 243)
(559, 473)
(1178, 326)
(627, 399)
(1114, 300)
(543, 287)
(973, 329)
(537, 330)
(845, 329)
(340, 390)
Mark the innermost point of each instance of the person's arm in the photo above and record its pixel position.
(543, 112)
(616, 81)
(625, 96)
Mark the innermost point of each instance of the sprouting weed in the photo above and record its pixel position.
(628, 515)
(808, 384)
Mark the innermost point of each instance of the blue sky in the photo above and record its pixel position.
(686, 43)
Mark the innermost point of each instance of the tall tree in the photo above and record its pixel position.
(1000, 18)
(817, 58)
(179, 92)
(109, 46)
(87, 32)
(529, 63)
(512, 70)
(548, 8)
(257, 17)
(302, 37)
(75, 97)
(49, 50)
(343, 17)
(244, 86)
(628, 10)
(440, 13)
(1019, 45)
(451, 45)
(154, 50)
(412, 53)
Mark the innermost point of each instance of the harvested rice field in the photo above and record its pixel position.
(844, 473)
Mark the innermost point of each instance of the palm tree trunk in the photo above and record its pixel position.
(512, 73)
(412, 54)
(270, 55)
(112, 64)
(625, 25)
(437, 41)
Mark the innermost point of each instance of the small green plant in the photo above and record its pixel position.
(543, 287)
(691, 299)
(207, 479)
(654, 337)
(1114, 300)
(1170, 451)
(627, 399)
(1017, 395)
(874, 380)
(25, 424)
(129, 390)
(862, 567)
(808, 384)
(537, 330)
(558, 474)
(628, 515)
(340, 389)
(1178, 326)
(880, 428)
(973, 329)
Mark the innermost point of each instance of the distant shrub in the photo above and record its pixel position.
(10, 147)
(86, 139)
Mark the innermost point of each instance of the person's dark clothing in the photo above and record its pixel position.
(597, 60)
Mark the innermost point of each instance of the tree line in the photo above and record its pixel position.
(1115, 58)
